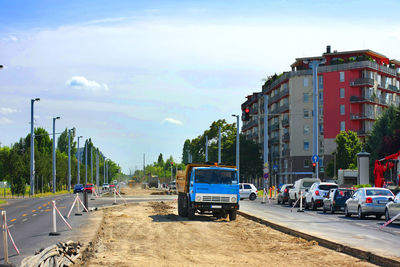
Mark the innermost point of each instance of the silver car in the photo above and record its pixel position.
(393, 208)
(368, 201)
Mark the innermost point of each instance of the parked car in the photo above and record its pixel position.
(89, 188)
(283, 195)
(78, 188)
(172, 185)
(112, 186)
(316, 194)
(368, 201)
(247, 191)
(336, 199)
(393, 208)
(300, 187)
(106, 186)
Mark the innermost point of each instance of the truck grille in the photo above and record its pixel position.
(215, 199)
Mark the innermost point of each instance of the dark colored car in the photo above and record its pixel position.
(336, 199)
(89, 188)
(283, 194)
(78, 188)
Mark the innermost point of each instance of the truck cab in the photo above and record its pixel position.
(208, 188)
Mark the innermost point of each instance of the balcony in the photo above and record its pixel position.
(362, 133)
(286, 137)
(274, 140)
(273, 99)
(275, 126)
(393, 88)
(284, 92)
(283, 108)
(362, 82)
(275, 154)
(249, 125)
(362, 116)
(285, 122)
(285, 152)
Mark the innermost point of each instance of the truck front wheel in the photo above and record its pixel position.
(232, 215)
(182, 203)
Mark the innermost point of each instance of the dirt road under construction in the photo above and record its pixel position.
(152, 234)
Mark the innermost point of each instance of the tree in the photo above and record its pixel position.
(186, 149)
(348, 145)
(62, 142)
(160, 161)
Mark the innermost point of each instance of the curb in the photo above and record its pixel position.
(355, 252)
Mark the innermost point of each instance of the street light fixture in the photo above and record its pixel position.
(237, 143)
(79, 159)
(32, 169)
(54, 153)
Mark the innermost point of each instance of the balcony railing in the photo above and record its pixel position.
(362, 116)
(249, 125)
(284, 108)
(275, 126)
(285, 152)
(274, 140)
(362, 81)
(393, 88)
(362, 133)
(275, 154)
(285, 122)
(286, 137)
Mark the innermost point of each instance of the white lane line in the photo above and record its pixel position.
(24, 220)
(9, 226)
(34, 214)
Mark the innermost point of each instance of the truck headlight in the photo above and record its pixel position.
(233, 199)
(198, 198)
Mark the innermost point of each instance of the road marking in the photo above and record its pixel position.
(24, 220)
(13, 220)
(11, 225)
(33, 210)
(23, 215)
(48, 210)
(39, 208)
(34, 214)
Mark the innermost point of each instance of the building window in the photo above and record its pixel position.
(321, 129)
(305, 113)
(321, 111)
(306, 129)
(342, 126)
(306, 163)
(321, 97)
(306, 145)
(342, 76)
(341, 109)
(320, 82)
(305, 97)
(341, 93)
(305, 81)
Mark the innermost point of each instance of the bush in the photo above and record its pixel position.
(362, 185)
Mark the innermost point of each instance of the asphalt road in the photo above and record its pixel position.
(364, 234)
(30, 221)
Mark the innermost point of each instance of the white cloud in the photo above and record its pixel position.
(6, 111)
(173, 121)
(4, 120)
(81, 82)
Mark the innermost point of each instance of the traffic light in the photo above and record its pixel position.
(314, 165)
(247, 114)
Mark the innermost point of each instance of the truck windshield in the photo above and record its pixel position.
(215, 177)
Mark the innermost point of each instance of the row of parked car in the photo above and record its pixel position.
(78, 188)
(361, 202)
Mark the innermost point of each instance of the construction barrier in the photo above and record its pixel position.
(55, 220)
(6, 232)
(77, 200)
(115, 197)
(263, 199)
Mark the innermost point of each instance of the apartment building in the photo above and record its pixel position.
(354, 87)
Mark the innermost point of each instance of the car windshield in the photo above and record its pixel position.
(89, 185)
(307, 184)
(78, 185)
(215, 176)
(327, 186)
(378, 192)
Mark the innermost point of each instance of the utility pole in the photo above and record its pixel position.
(104, 176)
(237, 145)
(206, 148)
(69, 160)
(219, 144)
(54, 153)
(86, 144)
(79, 159)
(144, 165)
(314, 66)
(32, 170)
(97, 168)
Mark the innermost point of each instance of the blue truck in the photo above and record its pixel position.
(206, 188)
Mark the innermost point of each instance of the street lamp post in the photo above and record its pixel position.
(79, 159)
(32, 172)
(314, 66)
(54, 153)
(86, 144)
(69, 160)
(104, 176)
(237, 144)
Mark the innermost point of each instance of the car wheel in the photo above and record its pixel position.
(332, 210)
(387, 216)
(360, 214)
(313, 206)
(346, 212)
(252, 197)
(278, 201)
(323, 209)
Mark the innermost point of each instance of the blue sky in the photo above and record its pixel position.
(142, 76)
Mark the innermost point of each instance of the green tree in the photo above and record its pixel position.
(348, 145)
(185, 150)
(62, 142)
(160, 161)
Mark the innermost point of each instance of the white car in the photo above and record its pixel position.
(316, 194)
(247, 191)
(106, 186)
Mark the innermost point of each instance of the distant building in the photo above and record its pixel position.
(354, 87)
